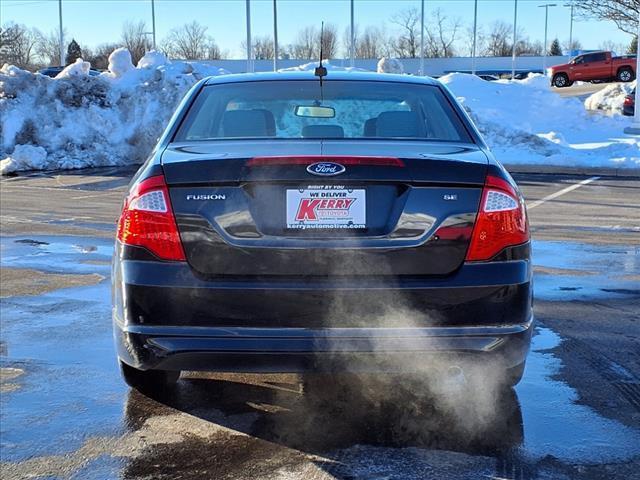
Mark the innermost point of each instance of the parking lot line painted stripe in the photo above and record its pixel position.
(562, 192)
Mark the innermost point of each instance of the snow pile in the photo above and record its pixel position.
(610, 98)
(77, 120)
(77, 69)
(390, 65)
(525, 122)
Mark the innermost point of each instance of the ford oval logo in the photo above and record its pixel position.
(326, 169)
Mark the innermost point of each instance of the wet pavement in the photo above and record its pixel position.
(65, 413)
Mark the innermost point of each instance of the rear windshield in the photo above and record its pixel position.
(340, 109)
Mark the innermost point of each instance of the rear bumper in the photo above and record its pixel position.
(333, 349)
(166, 317)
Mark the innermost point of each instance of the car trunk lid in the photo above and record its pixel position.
(253, 208)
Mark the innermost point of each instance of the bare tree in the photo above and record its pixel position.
(214, 52)
(481, 41)
(48, 46)
(135, 39)
(498, 40)
(611, 46)
(575, 45)
(191, 42)
(99, 58)
(624, 13)
(407, 43)
(440, 37)
(329, 40)
(524, 46)
(18, 45)
(263, 48)
(306, 45)
(369, 44)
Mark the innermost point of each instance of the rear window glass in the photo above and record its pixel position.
(349, 109)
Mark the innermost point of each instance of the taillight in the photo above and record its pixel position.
(501, 220)
(628, 100)
(147, 220)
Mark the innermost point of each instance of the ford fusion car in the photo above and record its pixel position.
(289, 222)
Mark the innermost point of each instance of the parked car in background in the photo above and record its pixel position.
(628, 107)
(489, 78)
(594, 66)
(290, 223)
(54, 71)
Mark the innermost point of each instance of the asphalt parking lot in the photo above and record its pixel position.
(65, 413)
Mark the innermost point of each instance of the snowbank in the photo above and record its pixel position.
(524, 122)
(610, 98)
(390, 65)
(77, 120)
(76, 69)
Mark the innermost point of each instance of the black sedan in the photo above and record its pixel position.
(290, 222)
(628, 106)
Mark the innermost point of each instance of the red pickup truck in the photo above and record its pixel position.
(594, 66)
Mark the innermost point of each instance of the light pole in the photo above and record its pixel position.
(249, 46)
(513, 49)
(475, 36)
(275, 36)
(62, 62)
(153, 22)
(634, 129)
(546, 23)
(352, 40)
(570, 5)
(422, 37)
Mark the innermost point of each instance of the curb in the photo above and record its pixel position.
(568, 170)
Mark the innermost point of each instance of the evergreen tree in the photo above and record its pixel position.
(633, 46)
(555, 50)
(73, 52)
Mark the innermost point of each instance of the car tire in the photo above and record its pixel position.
(561, 80)
(150, 382)
(625, 74)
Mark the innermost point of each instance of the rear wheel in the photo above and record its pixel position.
(561, 80)
(150, 382)
(625, 74)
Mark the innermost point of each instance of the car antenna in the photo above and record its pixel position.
(320, 70)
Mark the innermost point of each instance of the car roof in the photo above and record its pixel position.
(331, 75)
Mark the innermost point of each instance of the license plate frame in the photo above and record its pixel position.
(326, 208)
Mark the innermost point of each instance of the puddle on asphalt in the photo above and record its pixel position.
(63, 341)
(71, 390)
(55, 254)
(600, 270)
(554, 424)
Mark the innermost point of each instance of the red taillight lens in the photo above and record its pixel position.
(628, 100)
(501, 221)
(147, 220)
